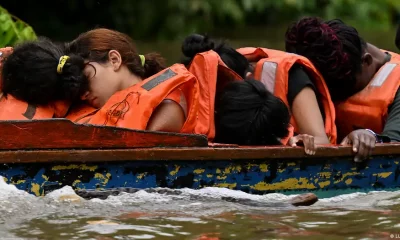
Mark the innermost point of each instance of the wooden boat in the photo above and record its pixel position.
(44, 155)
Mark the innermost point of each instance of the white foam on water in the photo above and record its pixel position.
(186, 219)
(139, 197)
(332, 212)
(169, 226)
(9, 190)
(65, 194)
(341, 198)
(357, 201)
(197, 203)
(104, 227)
(217, 193)
(143, 236)
(383, 222)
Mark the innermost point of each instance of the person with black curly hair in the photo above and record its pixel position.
(39, 81)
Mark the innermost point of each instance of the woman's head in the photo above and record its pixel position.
(248, 114)
(336, 50)
(196, 43)
(112, 62)
(31, 73)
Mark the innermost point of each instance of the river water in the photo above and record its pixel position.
(206, 214)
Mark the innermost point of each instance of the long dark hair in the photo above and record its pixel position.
(248, 114)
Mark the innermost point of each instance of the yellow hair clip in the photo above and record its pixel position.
(142, 59)
(61, 63)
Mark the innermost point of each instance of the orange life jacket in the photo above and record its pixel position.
(212, 75)
(81, 113)
(133, 107)
(14, 109)
(369, 107)
(272, 68)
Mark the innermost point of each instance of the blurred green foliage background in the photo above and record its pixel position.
(161, 25)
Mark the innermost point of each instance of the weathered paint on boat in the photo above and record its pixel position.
(253, 176)
(179, 161)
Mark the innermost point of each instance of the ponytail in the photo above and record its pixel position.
(196, 43)
(153, 63)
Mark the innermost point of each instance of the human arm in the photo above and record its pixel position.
(304, 106)
(167, 117)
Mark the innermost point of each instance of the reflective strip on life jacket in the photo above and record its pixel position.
(133, 107)
(268, 75)
(273, 72)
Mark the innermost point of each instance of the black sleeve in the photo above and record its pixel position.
(298, 80)
(392, 126)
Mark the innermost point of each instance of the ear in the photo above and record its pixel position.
(367, 59)
(115, 59)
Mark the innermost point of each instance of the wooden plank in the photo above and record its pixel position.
(214, 154)
(63, 134)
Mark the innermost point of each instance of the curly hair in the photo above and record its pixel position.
(333, 47)
(30, 74)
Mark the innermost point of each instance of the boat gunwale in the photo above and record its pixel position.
(184, 153)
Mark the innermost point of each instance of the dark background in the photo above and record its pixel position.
(161, 25)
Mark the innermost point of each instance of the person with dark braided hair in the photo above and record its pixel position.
(362, 79)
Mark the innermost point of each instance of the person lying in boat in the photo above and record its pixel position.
(102, 68)
(362, 80)
(238, 122)
(29, 72)
(132, 90)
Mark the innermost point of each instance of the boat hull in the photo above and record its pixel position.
(260, 176)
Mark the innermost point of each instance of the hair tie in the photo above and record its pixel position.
(142, 59)
(61, 63)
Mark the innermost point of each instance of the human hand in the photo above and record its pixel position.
(363, 142)
(4, 53)
(307, 140)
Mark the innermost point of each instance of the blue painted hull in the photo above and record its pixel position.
(322, 175)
